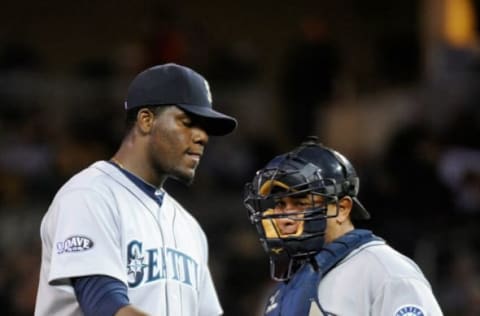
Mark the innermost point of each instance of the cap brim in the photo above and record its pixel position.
(214, 123)
(359, 211)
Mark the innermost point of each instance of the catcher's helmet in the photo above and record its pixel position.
(307, 171)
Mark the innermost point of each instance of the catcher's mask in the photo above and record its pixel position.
(312, 174)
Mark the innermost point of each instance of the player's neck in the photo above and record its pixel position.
(118, 163)
(133, 157)
(138, 170)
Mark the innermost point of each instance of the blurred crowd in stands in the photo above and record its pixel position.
(415, 142)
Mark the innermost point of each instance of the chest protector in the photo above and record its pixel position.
(295, 297)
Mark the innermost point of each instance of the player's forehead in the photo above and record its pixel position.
(180, 113)
(170, 109)
(173, 112)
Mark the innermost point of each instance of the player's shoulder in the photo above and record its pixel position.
(95, 177)
(386, 261)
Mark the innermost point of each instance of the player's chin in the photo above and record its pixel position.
(185, 176)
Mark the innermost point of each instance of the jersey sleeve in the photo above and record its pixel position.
(407, 296)
(85, 238)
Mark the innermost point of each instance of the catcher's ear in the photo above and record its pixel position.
(345, 205)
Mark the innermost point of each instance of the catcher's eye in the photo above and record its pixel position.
(292, 204)
(280, 205)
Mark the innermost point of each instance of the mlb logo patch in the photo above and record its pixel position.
(409, 310)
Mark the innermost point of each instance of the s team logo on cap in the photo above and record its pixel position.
(207, 87)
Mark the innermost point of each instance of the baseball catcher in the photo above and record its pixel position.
(304, 205)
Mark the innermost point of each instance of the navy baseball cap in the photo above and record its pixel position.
(172, 84)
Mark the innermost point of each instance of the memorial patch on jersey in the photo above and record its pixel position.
(409, 310)
(74, 244)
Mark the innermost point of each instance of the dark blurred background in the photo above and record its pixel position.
(394, 85)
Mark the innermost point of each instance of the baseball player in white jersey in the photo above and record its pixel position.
(303, 204)
(113, 241)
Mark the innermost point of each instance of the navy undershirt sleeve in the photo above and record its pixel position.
(100, 295)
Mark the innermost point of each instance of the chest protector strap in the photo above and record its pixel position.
(294, 298)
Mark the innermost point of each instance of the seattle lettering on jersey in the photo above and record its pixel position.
(159, 264)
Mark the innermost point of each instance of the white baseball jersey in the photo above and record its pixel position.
(376, 280)
(102, 223)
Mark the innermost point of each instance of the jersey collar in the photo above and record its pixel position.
(156, 194)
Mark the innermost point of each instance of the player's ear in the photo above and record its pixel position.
(345, 205)
(145, 119)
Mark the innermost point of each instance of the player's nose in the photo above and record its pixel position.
(200, 136)
(287, 226)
